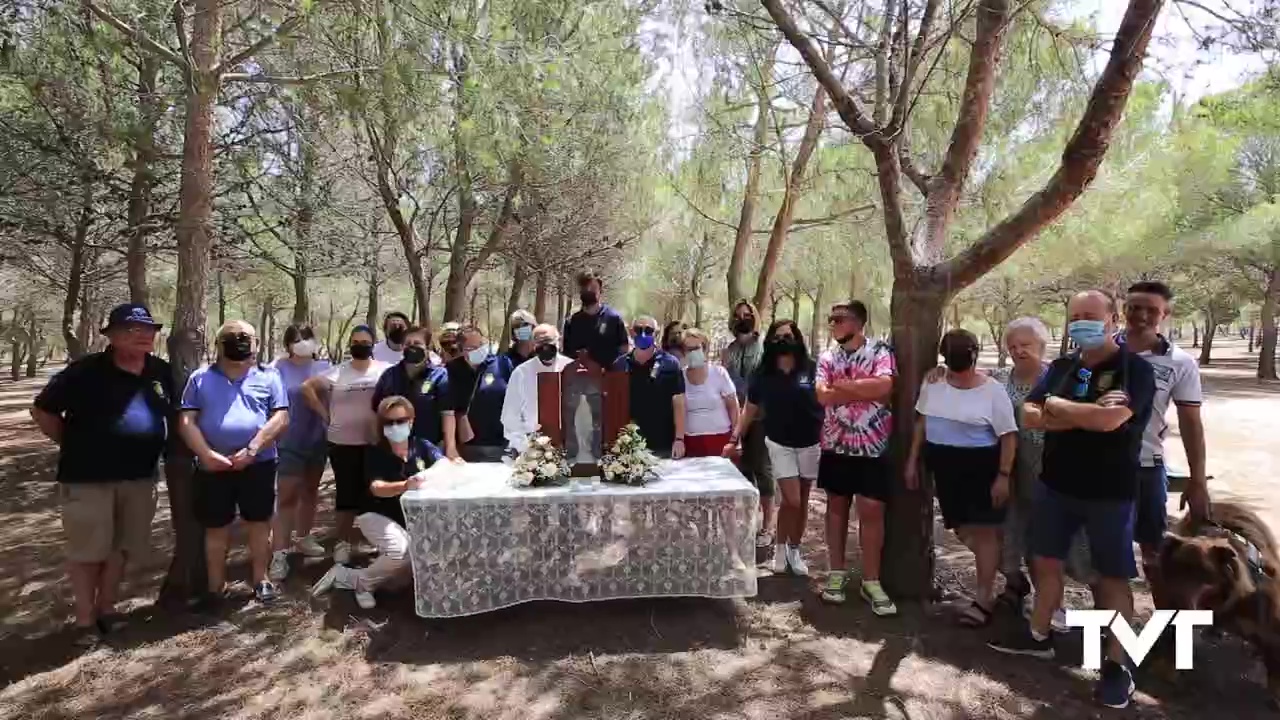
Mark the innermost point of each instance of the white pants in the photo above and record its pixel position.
(788, 462)
(392, 542)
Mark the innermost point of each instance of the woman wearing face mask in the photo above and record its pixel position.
(710, 400)
(792, 418)
(342, 397)
(477, 389)
(967, 435)
(522, 344)
(303, 453)
(395, 465)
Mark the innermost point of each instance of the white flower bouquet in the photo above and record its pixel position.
(542, 463)
(629, 461)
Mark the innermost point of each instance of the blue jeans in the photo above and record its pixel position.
(1108, 525)
(1153, 494)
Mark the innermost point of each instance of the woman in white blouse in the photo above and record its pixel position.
(710, 400)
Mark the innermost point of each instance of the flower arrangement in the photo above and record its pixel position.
(629, 461)
(542, 463)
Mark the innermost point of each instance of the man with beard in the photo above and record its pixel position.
(741, 358)
(596, 330)
(391, 348)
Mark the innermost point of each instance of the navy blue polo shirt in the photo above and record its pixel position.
(479, 393)
(602, 335)
(792, 415)
(380, 463)
(515, 358)
(114, 424)
(429, 393)
(652, 387)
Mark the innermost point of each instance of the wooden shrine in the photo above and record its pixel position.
(606, 393)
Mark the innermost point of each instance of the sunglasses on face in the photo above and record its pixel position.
(238, 337)
(644, 330)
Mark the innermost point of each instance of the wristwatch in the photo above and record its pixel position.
(253, 451)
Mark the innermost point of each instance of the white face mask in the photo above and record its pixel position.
(397, 433)
(304, 348)
(695, 359)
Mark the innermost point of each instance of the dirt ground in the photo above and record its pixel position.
(779, 655)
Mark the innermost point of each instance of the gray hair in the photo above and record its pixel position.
(1028, 322)
(523, 316)
(647, 321)
(546, 331)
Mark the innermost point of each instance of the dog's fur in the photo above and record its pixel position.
(1204, 568)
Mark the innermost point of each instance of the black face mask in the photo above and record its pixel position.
(744, 326)
(415, 355)
(396, 335)
(237, 348)
(961, 360)
(360, 351)
(546, 353)
(589, 297)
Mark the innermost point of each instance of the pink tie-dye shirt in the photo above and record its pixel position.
(860, 429)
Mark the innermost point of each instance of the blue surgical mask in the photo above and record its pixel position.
(523, 333)
(644, 342)
(477, 356)
(1087, 334)
(695, 359)
(397, 433)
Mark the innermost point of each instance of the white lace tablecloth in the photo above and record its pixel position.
(479, 544)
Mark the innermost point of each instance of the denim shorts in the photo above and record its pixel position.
(1108, 525)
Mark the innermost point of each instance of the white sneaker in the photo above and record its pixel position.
(798, 566)
(365, 600)
(342, 553)
(310, 547)
(326, 581)
(1058, 623)
(781, 555)
(279, 568)
(764, 539)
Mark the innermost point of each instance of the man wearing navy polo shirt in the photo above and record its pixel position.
(232, 413)
(596, 329)
(477, 390)
(423, 382)
(110, 415)
(656, 389)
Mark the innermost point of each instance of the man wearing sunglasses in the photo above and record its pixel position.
(232, 413)
(854, 382)
(656, 389)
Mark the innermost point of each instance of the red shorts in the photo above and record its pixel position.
(705, 445)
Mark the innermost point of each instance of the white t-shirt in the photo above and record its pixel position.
(351, 416)
(383, 353)
(1177, 378)
(704, 410)
(972, 417)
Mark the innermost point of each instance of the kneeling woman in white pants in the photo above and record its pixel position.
(393, 466)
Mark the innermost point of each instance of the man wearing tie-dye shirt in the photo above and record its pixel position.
(854, 382)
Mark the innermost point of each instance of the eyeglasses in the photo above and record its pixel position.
(644, 330)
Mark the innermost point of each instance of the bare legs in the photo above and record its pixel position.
(870, 536)
(95, 587)
(984, 541)
(296, 514)
(794, 494)
(216, 542)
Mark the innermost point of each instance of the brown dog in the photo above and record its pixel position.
(1229, 566)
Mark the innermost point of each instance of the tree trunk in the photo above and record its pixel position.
(144, 157)
(301, 304)
(1065, 343)
(264, 329)
(790, 197)
(815, 326)
(513, 304)
(1251, 337)
(187, 341)
(562, 306)
(84, 327)
(372, 309)
(539, 298)
(33, 343)
(1195, 335)
(1206, 345)
(916, 312)
(471, 306)
(751, 191)
(222, 300)
(1267, 349)
(75, 277)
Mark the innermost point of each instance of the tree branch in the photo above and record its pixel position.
(137, 37)
(290, 80)
(262, 43)
(854, 117)
(1080, 159)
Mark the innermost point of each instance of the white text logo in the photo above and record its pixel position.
(1137, 645)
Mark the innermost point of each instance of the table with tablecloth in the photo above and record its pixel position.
(478, 544)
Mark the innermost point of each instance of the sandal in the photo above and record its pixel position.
(975, 616)
(834, 591)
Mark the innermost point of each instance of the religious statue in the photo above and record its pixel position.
(582, 409)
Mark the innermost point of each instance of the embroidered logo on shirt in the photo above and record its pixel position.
(421, 465)
(158, 388)
(601, 327)
(426, 386)
(488, 379)
(653, 374)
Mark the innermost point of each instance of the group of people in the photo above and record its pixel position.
(1022, 460)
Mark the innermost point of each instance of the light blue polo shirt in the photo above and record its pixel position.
(231, 412)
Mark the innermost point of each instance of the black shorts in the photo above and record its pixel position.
(962, 480)
(849, 475)
(349, 481)
(251, 491)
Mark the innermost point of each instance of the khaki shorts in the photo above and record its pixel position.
(104, 517)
